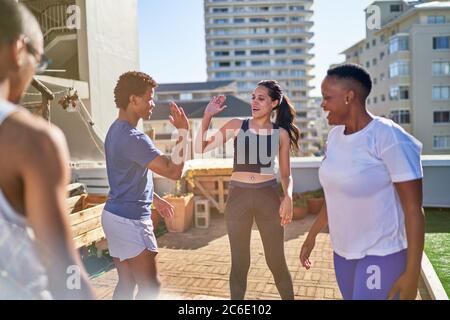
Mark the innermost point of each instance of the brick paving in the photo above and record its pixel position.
(196, 265)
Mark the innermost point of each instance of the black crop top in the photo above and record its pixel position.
(256, 152)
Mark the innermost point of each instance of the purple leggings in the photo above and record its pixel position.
(369, 278)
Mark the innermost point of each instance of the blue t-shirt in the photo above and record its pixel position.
(128, 152)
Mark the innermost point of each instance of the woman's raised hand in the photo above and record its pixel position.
(215, 106)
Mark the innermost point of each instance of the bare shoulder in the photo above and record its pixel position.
(235, 124)
(284, 135)
(34, 136)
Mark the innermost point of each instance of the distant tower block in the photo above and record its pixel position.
(202, 214)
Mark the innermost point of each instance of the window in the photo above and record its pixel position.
(375, 81)
(239, 20)
(396, 7)
(382, 38)
(381, 55)
(441, 43)
(259, 52)
(280, 41)
(279, 19)
(374, 42)
(221, 53)
(374, 61)
(221, 43)
(260, 63)
(297, 40)
(399, 43)
(441, 68)
(299, 61)
(297, 51)
(240, 63)
(368, 64)
(368, 100)
(280, 51)
(441, 117)
(239, 53)
(239, 42)
(186, 96)
(441, 93)
(398, 68)
(383, 98)
(367, 45)
(258, 20)
(221, 75)
(220, 21)
(399, 93)
(382, 77)
(220, 10)
(298, 73)
(259, 41)
(400, 116)
(280, 62)
(375, 100)
(441, 142)
(436, 19)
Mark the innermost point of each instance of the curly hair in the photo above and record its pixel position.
(132, 83)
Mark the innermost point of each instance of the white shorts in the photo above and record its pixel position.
(128, 238)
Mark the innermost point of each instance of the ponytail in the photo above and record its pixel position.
(286, 120)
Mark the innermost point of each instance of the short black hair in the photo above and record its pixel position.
(354, 72)
(11, 21)
(132, 83)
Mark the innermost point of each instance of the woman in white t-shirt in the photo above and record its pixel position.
(372, 179)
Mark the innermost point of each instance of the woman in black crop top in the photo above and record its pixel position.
(253, 188)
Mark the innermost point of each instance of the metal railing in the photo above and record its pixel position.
(54, 19)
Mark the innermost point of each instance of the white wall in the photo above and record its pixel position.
(108, 44)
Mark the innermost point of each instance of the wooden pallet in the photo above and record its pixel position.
(85, 213)
(211, 184)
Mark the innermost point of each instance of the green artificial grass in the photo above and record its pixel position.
(437, 243)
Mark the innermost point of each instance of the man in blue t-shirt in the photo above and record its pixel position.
(131, 158)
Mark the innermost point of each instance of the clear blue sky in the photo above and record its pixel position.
(172, 37)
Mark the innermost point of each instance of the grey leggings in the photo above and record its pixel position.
(260, 203)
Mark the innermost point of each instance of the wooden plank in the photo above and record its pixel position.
(89, 237)
(76, 203)
(86, 226)
(96, 198)
(221, 196)
(211, 172)
(87, 214)
(206, 194)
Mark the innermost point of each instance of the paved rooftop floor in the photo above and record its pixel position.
(196, 265)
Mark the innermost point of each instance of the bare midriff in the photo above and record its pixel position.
(250, 177)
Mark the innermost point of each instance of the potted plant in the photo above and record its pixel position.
(300, 206)
(315, 201)
(183, 208)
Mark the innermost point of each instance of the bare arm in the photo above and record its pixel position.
(410, 194)
(202, 142)
(172, 167)
(46, 176)
(320, 223)
(286, 206)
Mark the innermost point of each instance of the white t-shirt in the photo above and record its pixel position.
(365, 215)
